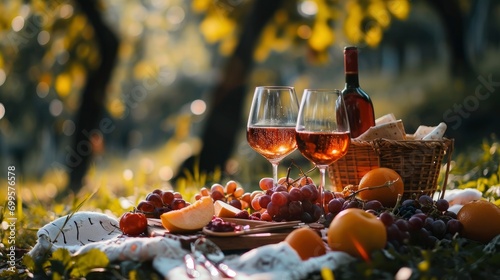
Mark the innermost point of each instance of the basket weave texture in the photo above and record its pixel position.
(418, 162)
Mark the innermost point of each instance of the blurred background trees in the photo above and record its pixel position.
(185, 71)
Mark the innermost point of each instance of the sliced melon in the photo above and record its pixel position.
(190, 218)
(225, 210)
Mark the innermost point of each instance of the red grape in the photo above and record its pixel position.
(178, 204)
(264, 200)
(167, 197)
(335, 206)
(279, 199)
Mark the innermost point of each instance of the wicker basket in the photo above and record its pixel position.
(418, 162)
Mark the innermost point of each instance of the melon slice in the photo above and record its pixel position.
(190, 218)
(225, 210)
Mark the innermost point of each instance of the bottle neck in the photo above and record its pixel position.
(351, 67)
(351, 80)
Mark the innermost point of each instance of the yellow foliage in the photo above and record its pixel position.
(352, 22)
(227, 45)
(399, 8)
(378, 11)
(199, 6)
(373, 35)
(215, 27)
(63, 84)
(322, 36)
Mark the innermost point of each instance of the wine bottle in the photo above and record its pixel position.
(358, 104)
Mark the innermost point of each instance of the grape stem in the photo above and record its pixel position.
(387, 184)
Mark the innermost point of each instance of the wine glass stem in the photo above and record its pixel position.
(322, 171)
(275, 173)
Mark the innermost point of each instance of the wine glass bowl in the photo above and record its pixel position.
(322, 131)
(271, 123)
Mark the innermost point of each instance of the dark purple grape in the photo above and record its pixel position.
(335, 206)
(393, 233)
(402, 224)
(235, 202)
(307, 206)
(283, 213)
(442, 205)
(164, 209)
(306, 217)
(373, 204)
(351, 204)
(295, 209)
(453, 226)
(317, 212)
(387, 218)
(314, 194)
(425, 200)
(438, 228)
(410, 202)
(450, 214)
(428, 223)
(422, 216)
(415, 223)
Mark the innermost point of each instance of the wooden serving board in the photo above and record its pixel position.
(232, 243)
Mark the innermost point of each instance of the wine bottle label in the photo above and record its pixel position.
(351, 60)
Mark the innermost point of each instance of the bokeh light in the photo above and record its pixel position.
(198, 107)
(42, 89)
(56, 107)
(308, 8)
(17, 23)
(68, 127)
(3, 76)
(43, 37)
(2, 111)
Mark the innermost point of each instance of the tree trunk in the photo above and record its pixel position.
(224, 119)
(91, 111)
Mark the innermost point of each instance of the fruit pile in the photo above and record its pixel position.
(418, 220)
(159, 201)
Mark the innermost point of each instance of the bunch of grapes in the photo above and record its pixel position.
(288, 200)
(420, 222)
(231, 193)
(158, 202)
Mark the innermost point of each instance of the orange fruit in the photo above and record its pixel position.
(378, 177)
(189, 218)
(480, 220)
(306, 242)
(357, 233)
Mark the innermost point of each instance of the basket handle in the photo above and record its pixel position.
(449, 151)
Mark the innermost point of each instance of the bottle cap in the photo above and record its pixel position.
(351, 60)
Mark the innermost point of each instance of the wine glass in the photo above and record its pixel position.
(322, 131)
(271, 123)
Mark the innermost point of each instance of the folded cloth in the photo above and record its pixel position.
(388, 127)
(393, 130)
